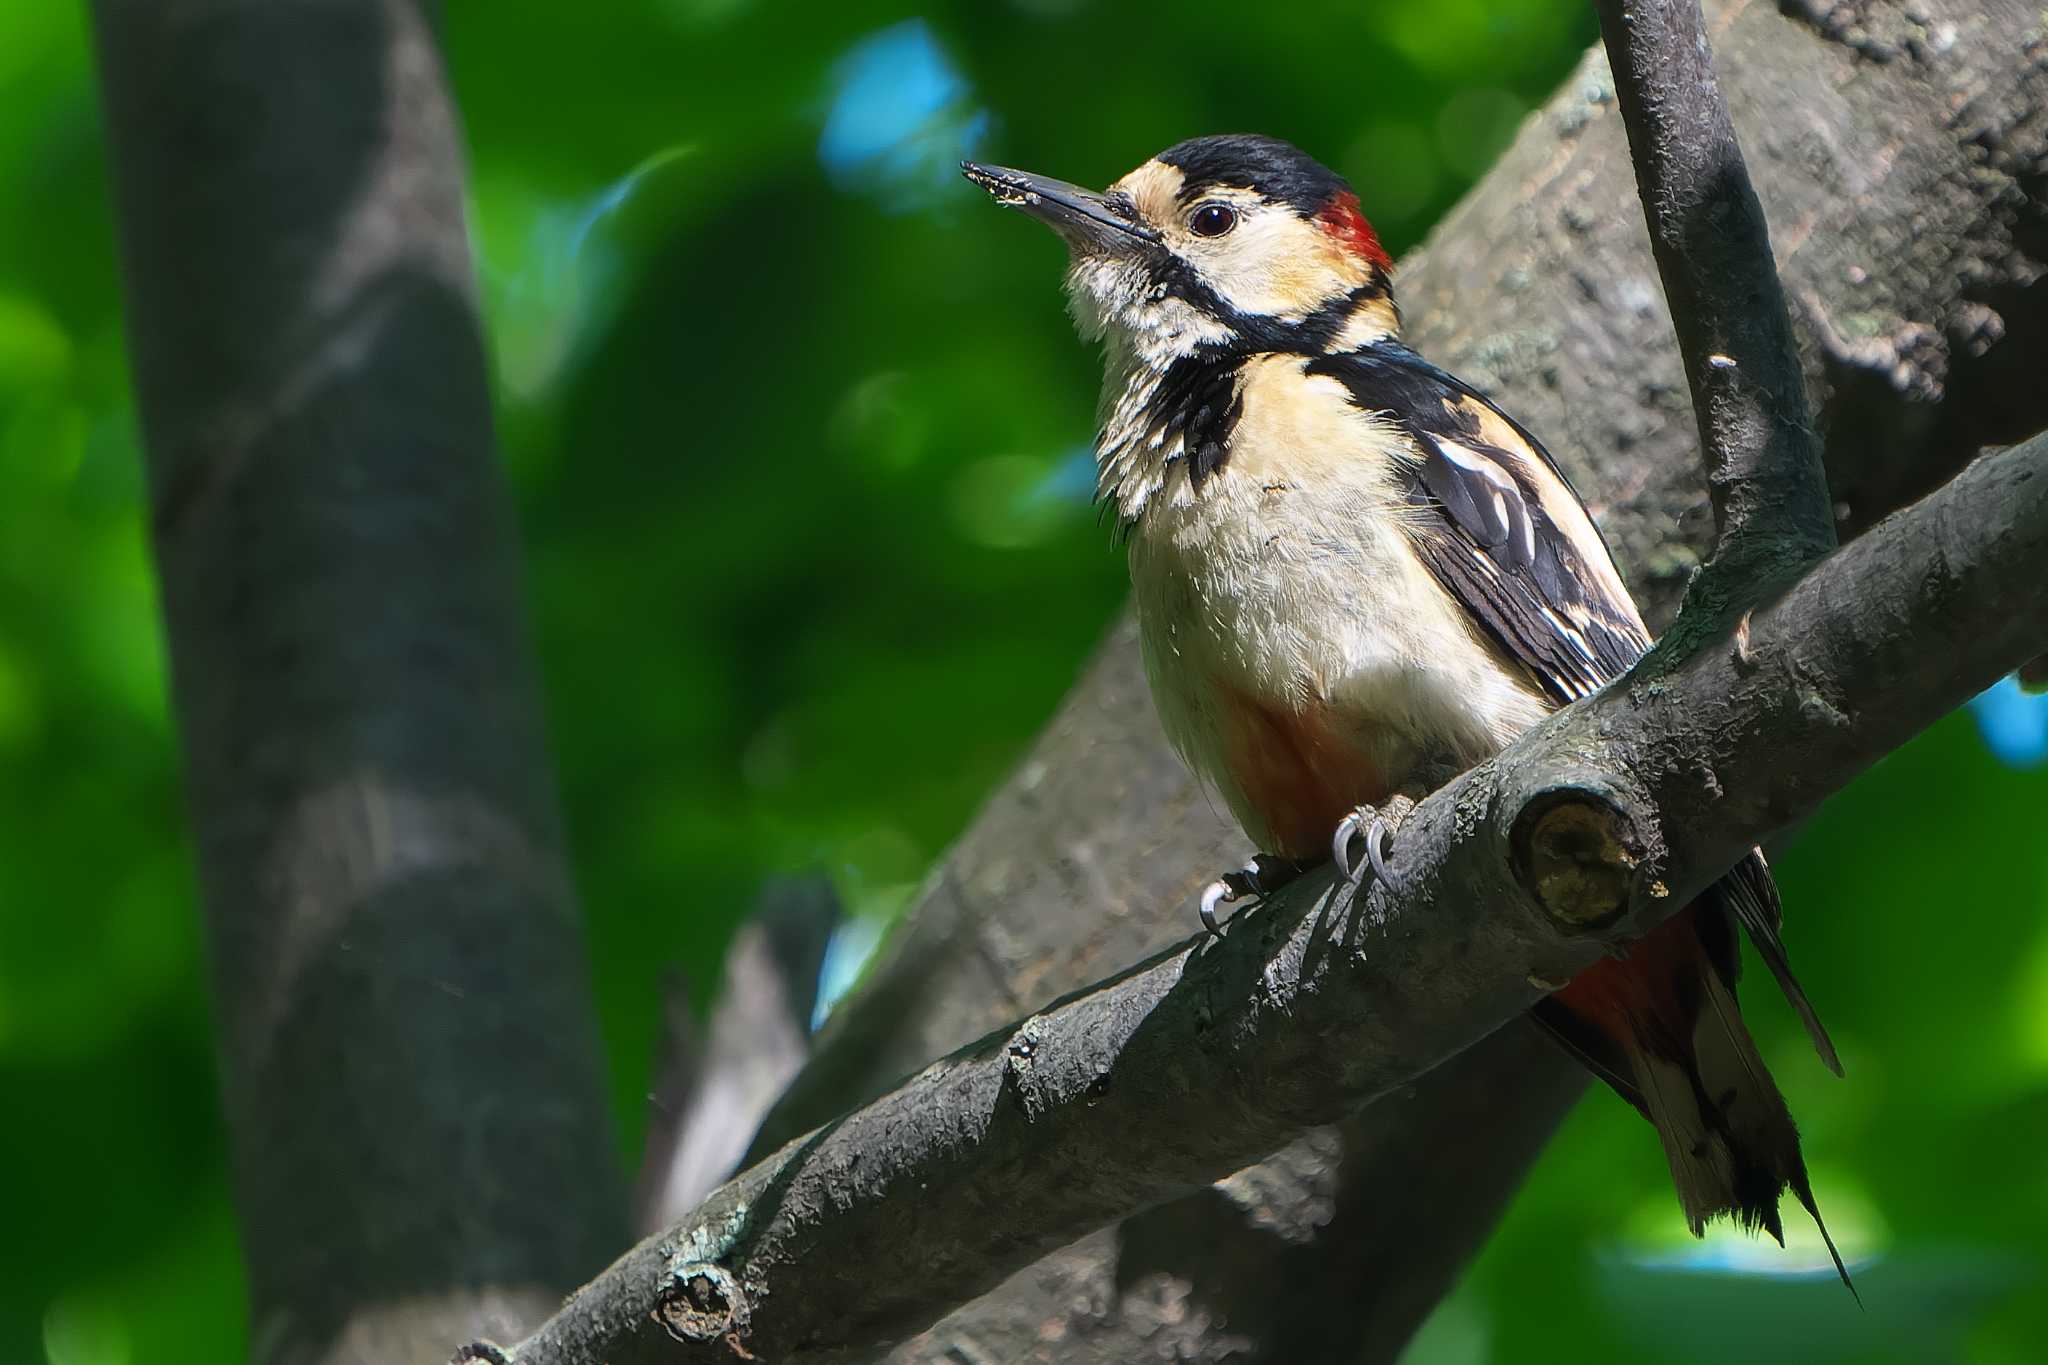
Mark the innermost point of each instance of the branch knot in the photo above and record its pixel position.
(1577, 854)
(701, 1302)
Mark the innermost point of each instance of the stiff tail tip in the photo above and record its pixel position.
(1802, 1190)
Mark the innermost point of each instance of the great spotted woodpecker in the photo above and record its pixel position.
(1357, 577)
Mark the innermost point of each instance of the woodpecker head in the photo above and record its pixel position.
(1229, 245)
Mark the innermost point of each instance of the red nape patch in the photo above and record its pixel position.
(1342, 220)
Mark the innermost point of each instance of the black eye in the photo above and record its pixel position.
(1213, 220)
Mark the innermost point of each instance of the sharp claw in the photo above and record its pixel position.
(1213, 895)
(1378, 838)
(1257, 879)
(1340, 847)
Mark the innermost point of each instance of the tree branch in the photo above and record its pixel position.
(408, 1047)
(1713, 254)
(1205, 1058)
(1334, 1248)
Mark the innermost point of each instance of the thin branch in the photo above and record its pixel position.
(408, 1047)
(1207, 1057)
(1713, 253)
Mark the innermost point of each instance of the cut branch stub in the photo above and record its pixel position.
(701, 1302)
(1577, 853)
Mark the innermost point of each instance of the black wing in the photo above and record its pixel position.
(1503, 532)
(1499, 527)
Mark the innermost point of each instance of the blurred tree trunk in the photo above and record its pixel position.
(421, 1146)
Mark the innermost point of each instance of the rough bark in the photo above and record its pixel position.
(420, 1139)
(1713, 252)
(1213, 1054)
(1905, 166)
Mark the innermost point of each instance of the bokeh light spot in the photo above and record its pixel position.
(1397, 168)
(1475, 127)
(79, 1331)
(1658, 1239)
(552, 273)
(900, 120)
(2030, 999)
(34, 350)
(1007, 502)
(881, 422)
(847, 954)
(1073, 477)
(2014, 723)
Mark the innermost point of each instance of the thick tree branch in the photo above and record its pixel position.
(1312, 1255)
(1713, 253)
(408, 1048)
(1213, 1054)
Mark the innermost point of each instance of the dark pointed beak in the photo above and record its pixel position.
(1085, 218)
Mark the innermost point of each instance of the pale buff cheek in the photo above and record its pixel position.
(1276, 265)
(1374, 319)
(1155, 189)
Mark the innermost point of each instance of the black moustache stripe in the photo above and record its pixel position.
(1254, 333)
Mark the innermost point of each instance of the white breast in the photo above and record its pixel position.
(1288, 580)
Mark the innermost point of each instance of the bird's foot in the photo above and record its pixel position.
(1377, 826)
(1261, 877)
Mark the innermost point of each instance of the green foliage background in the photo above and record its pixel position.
(810, 560)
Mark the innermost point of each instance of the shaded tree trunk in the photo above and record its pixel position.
(421, 1146)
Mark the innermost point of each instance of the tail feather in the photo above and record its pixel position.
(1753, 898)
(1663, 1028)
(1744, 1113)
(1803, 1192)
